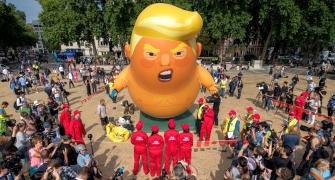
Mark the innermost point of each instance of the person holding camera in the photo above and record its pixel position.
(140, 140)
(155, 146)
(259, 133)
(171, 138)
(207, 124)
(58, 172)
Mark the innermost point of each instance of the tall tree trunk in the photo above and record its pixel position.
(95, 52)
(267, 42)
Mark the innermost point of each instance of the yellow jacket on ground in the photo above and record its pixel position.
(117, 133)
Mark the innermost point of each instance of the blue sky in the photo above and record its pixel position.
(31, 7)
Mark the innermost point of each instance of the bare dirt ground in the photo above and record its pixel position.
(210, 161)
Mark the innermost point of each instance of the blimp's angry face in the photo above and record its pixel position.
(163, 63)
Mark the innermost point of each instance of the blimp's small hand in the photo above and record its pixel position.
(113, 93)
(213, 89)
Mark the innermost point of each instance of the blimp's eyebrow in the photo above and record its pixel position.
(151, 48)
(178, 48)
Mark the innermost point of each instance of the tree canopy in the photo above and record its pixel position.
(308, 24)
(13, 29)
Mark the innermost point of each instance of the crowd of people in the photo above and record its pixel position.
(48, 140)
(260, 152)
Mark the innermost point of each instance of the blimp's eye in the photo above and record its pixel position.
(149, 55)
(180, 54)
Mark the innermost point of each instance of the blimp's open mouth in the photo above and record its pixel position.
(165, 75)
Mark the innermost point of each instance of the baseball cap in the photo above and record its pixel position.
(154, 128)
(256, 116)
(249, 108)
(201, 100)
(171, 124)
(80, 147)
(232, 112)
(185, 126)
(139, 125)
(66, 106)
(292, 113)
(206, 107)
(75, 112)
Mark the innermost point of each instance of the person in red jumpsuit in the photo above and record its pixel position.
(77, 129)
(65, 118)
(299, 105)
(207, 124)
(155, 145)
(171, 138)
(140, 139)
(186, 143)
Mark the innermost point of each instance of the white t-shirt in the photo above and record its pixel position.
(61, 69)
(5, 71)
(70, 76)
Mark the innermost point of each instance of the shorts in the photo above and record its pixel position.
(104, 121)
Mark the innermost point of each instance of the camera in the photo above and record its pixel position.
(12, 160)
(90, 136)
(118, 173)
(11, 123)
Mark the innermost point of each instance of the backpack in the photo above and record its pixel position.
(331, 103)
(16, 107)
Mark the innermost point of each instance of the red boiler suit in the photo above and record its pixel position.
(77, 131)
(140, 139)
(207, 124)
(65, 120)
(299, 105)
(171, 138)
(155, 145)
(186, 143)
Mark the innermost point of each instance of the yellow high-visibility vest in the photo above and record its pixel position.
(199, 113)
(249, 120)
(110, 85)
(293, 122)
(231, 127)
(223, 83)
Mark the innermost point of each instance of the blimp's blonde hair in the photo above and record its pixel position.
(166, 21)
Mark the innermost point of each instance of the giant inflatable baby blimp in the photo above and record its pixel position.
(163, 77)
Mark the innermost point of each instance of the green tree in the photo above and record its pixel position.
(13, 29)
(66, 21)
(274, 21)
(223, 19)
(317, 30)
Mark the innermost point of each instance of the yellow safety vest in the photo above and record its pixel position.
(117, 133)
(291, 123)
(3, 124)
(110, 84)
(199, 113)
(231, 127)
(249, 119)
(223, 83)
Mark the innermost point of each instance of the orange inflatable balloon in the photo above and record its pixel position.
(163, 77)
